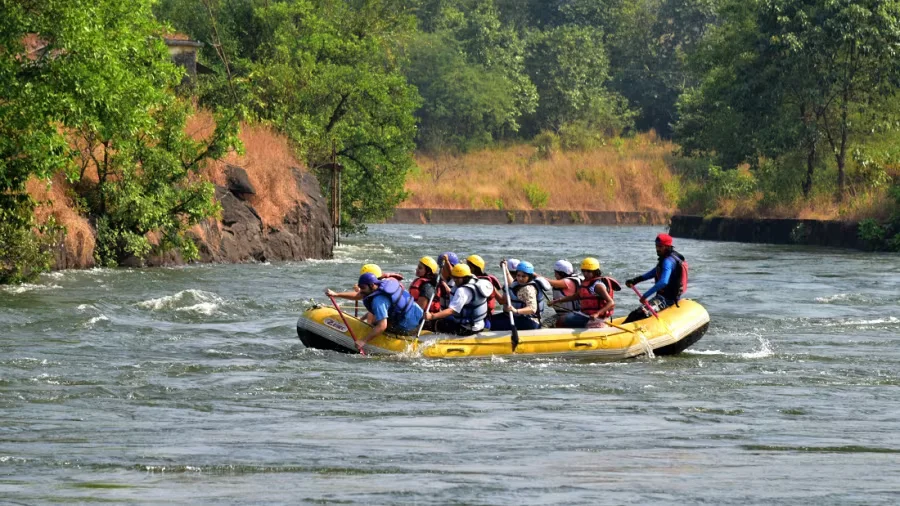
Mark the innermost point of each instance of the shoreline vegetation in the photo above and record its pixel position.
(489, 104)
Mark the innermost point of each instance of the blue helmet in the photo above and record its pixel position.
(451, 256)
(367, 279)
(525, 267)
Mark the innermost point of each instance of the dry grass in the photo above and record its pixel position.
(625, 175)
(54, 201)
(268, 159)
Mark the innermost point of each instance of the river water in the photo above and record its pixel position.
(189, 385)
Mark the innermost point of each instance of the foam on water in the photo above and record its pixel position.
(27, 287)
(207, 308)
(193, 301)
(703, 352)
(843, 297)
(764, 351)
(102, 318)
(853, 323)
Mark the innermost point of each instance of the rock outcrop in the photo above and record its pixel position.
(241, 236)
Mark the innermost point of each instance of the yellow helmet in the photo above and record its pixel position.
(476, 260)
(371, 269)
(590, 264)
(461, 271)
(430, 263)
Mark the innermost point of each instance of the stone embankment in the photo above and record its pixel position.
(534, 217)
(241, 236)
(837, 234)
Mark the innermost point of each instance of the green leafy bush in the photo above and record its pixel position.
(547, 143)
(537, 197)
(24, 249)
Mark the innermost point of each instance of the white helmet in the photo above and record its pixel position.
(563, 266)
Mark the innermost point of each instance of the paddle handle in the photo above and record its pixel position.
(349, 328)
(514, 336)
(646, 304)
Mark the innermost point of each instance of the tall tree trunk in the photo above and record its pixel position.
(810, 168)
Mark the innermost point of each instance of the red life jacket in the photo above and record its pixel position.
(590, 303)
(677, 281)
(414, 289)
(492, 302)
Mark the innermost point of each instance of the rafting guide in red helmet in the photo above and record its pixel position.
(670, 274)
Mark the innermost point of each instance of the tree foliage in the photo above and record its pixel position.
(784, 76)
(93, 94)
(569, 66)
(327, 73)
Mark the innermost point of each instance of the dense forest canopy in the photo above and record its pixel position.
(800, 93)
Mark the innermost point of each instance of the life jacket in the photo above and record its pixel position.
(401, 301)
(558, 294)
(677, 281)
(443, 296)
(589, 303)
(416, 286)
(391, 275)
(541, 298)
(492, 302)
(476, 309)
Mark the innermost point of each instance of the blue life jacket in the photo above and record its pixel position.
(677, 280)
(539, 287)
(401, 301)
(476, 309)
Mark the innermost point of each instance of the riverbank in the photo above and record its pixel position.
(272, 208)
(526, 217)
(632, 174)
(836, 234)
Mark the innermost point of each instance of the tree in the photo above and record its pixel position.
(327, 74)
(568, 64)
(794, 74)
(99, 83)
(647, 49)
(464, 105)
(477, 58)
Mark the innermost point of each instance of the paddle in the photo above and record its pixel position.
(349, 329)
(514, 338)
(644, 302)
(427, 307)
(652, 311)
(609, 322)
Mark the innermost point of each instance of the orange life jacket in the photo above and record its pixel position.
(590, 303)
(415, 288)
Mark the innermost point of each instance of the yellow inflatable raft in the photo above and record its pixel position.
(677, 328)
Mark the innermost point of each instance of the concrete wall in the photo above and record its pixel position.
(494, 217)
(838, 234)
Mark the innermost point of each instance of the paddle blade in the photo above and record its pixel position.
(514, 338)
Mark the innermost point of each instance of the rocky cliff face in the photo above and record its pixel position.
(241, 236)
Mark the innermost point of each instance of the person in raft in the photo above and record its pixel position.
(476, 265)
(467, 309)
(391, 308)
(376, 270)
(422, 288)
(565, 284)
(671, 276)
(446, 262)
(594, 298)
(527, 300)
